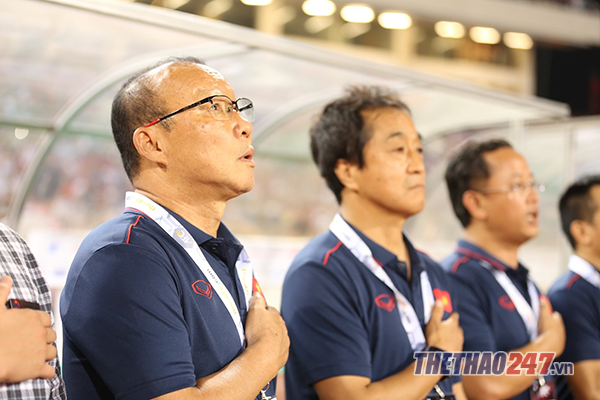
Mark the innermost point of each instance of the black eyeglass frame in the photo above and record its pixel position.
(203, 101)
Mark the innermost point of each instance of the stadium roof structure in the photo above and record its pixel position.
(63, 61)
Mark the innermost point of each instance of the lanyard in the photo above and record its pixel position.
(584, 269)
(174, 229)
(529, 314)
(344, 232)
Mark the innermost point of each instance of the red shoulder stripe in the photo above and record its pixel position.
(331, 251)
(572, 280)
(131, 226)
(459, 262)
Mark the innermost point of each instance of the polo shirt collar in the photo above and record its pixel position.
(202, 237)
(386, 257)
(470, 250)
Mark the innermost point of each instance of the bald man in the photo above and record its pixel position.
(161, 301)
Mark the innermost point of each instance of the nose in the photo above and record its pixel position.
(415, 161)
(243, 128)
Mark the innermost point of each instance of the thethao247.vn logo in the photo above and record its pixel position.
(489, 363)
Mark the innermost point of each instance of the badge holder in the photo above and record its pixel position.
(541, 389)
(440, 395)
(263, 393)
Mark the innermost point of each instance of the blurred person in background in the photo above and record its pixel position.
(26, 335)
(576, 294)
(359, 300)
(495, 197)
(161, 302)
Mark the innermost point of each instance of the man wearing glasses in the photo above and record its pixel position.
(495, 198)
(160, 302)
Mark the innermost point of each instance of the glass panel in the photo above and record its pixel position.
(53, 52)
(17, 146)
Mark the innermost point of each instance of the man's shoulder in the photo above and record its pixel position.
(461, 265)
(323, 249)
(569, 287)
(127, 228)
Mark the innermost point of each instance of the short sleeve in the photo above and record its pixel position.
(125, 318)
(326, 330)
(478, 333)
(581, 324)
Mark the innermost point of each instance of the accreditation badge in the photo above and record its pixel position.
(541, 389)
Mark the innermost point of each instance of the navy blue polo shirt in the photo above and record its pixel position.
(139, 317)
(578, 301)
(342, 320)
(488, 317)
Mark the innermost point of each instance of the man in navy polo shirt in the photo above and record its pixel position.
(494, 196)
(359, 299)
(576, 294)
(158, 302)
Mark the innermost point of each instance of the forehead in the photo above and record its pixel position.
(188, 82)
(506, 164)
(383, 122)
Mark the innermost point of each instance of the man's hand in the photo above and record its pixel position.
(26, 340)
(265, 325)
(551, 323)
(446, 335)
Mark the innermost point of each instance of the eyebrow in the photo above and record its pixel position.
(401, 133)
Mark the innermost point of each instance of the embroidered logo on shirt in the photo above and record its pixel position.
(203, 288)
(386, 301)
(506, 303)
(444, 297)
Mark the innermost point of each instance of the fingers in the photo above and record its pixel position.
(5, 286)
(45, 318)
(257, 301)
(47, 371)
(437, 312)
(454, 317)
(51, 352)
(50, 335)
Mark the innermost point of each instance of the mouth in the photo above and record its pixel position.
(248, 156)
(532, 217)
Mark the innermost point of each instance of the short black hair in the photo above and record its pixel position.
(576, 204)
(466, 168)
(137, 103)
(340, 132)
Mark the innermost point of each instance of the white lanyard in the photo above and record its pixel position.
(584, 269)
(344, 232)
(529, 314)
(174, 229)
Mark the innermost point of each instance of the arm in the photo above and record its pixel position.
(585, 383)
(551, 339)
(405, 385)
(459, 391)
(143, 349)
(245, 376)
(25, 341)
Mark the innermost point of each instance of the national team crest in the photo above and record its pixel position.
(444, 297)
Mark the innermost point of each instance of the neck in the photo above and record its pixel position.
(384, 228)
(205, 214)
(589, 255)
(504, 251)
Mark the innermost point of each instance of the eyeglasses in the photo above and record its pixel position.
(222, 108)
(521, 188)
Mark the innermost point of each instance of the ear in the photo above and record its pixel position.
(581, 232)
(474, 203)
(149, 144)
(346, 173)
